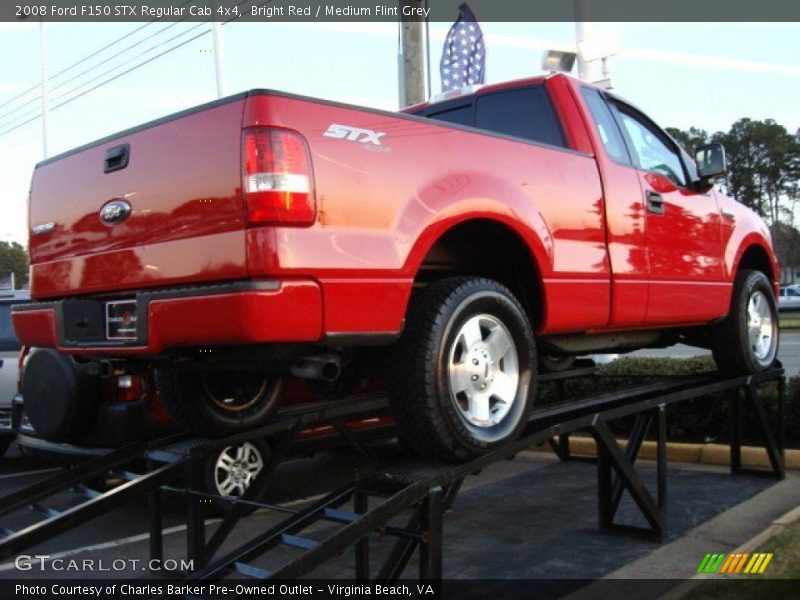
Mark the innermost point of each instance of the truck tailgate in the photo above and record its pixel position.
(173, 214)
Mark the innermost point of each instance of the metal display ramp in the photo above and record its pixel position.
(404, 499)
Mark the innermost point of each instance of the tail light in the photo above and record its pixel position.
(277, 178)
(130, 388)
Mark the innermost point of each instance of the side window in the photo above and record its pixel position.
(461, 115)
(606, 126)
(525, 113)
(653, 149)
(792, 292)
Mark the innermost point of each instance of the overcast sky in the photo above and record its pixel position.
(707, 75)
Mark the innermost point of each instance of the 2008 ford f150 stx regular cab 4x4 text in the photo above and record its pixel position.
(443, 248)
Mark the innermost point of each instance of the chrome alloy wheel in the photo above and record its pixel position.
(483, 371)
(236, 468)
(761, 328)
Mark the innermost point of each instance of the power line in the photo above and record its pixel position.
(128, 61)
(84, 59)
(106, 72)
(93, 67)
(109, 80)
(92, 55)
(133, 68)
(141, 64)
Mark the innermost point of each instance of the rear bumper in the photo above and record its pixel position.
(227, 314)
(61, 454)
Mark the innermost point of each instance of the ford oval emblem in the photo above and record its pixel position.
(115, 211)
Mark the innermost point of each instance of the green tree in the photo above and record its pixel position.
(764, 163)
(689, 139)
(14, 259)
(786, 241)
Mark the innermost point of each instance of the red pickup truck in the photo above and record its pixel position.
(443, 248)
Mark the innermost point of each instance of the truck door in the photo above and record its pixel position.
(682, 228)
(625, 215)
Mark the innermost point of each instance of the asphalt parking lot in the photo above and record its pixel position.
(531, 518)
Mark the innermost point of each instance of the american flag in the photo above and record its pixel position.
(463, 56)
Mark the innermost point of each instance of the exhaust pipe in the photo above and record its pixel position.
(321, 368)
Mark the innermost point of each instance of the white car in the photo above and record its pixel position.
(789, 298)
(9, 369)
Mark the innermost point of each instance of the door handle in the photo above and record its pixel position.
(116, 158)
(655, 202)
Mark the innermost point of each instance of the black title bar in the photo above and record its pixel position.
(265, 11)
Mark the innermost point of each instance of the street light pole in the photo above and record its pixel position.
(219, 63)
(45, 88)
(582, 33)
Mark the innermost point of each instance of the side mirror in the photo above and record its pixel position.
(711, 161)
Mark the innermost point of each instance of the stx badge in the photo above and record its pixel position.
(354, 134)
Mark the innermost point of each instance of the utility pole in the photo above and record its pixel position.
(411, 63)
(582, 33)
(219, 62)
(45, 87)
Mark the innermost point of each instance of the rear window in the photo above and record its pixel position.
(8, 340)
(525, 113)
(461, 115)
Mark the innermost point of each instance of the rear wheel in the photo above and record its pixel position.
(747, 340)
(462, 378)
(218, 403)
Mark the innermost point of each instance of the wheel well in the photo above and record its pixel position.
(755, 258)
(489, 249)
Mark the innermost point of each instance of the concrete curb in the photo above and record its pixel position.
(705, 454)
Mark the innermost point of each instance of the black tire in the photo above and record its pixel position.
(553, 363)
(61, 397)
(4, 446)
(216, 476)
(430, 417)
(731, 342)
(194, 402)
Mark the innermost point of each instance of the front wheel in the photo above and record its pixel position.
(462, 378)
(747, 340)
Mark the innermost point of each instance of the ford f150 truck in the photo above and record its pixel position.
(444, 248)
